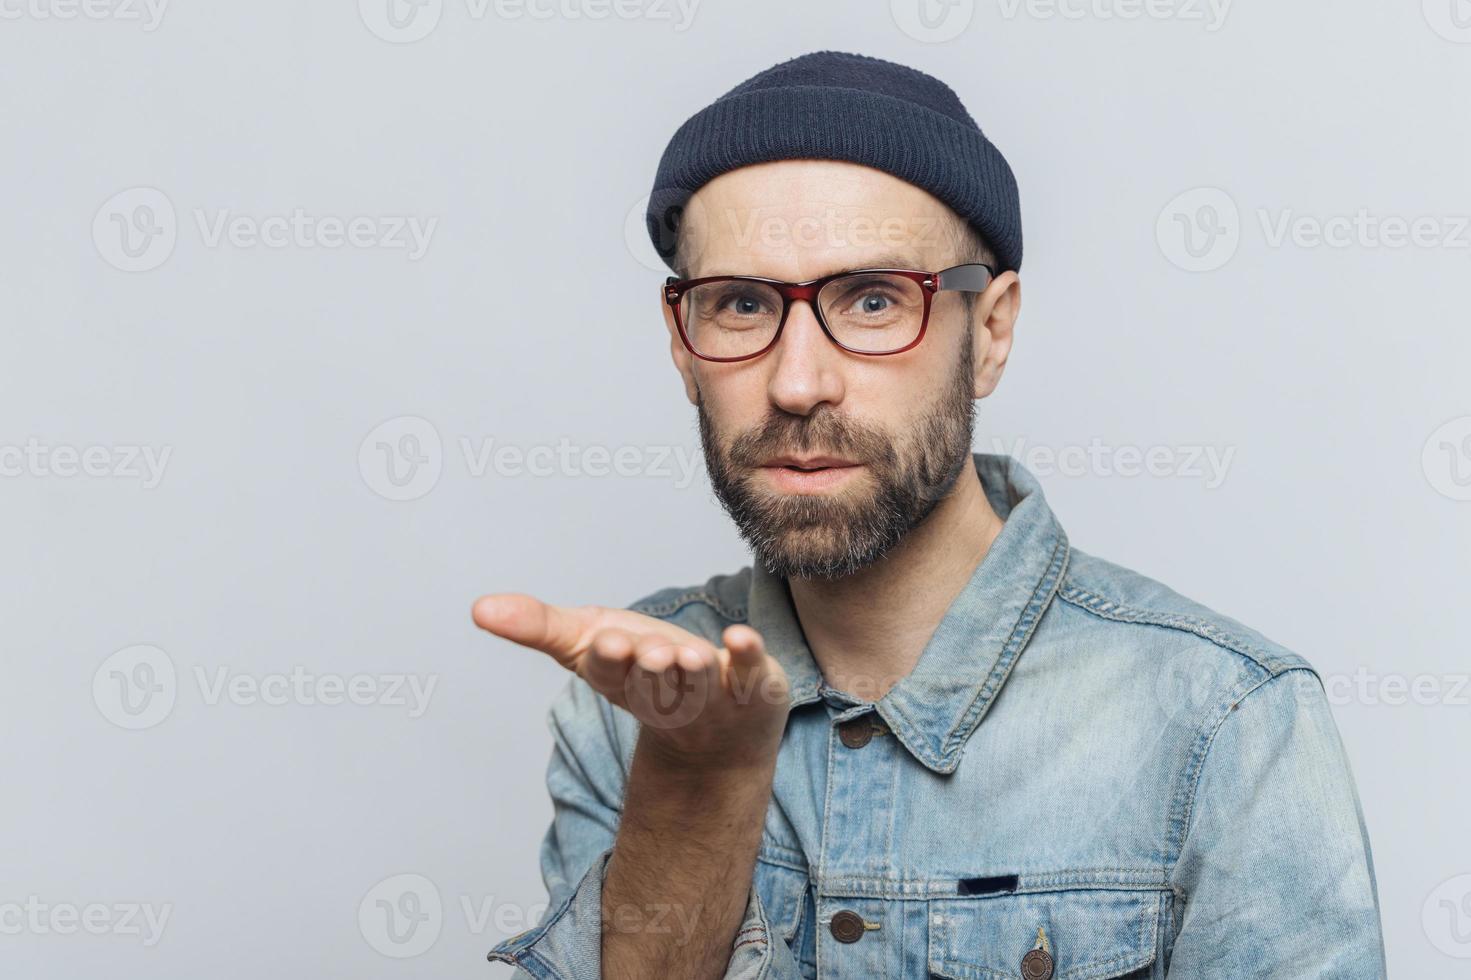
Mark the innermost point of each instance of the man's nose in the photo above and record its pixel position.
(808, 366)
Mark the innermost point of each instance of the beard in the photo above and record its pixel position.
(833, 535)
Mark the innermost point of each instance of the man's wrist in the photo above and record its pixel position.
(708, 769)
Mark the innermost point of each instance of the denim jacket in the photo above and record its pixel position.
(1085, 776)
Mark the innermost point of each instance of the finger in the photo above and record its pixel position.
(607, 662)
(747, 651)
(669, 684)
(701, 666)
(559, 631)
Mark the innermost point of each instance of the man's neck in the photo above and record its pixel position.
(867, 631)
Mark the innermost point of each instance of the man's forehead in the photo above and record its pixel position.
(817, 215)
(814, 186)
(811, 267)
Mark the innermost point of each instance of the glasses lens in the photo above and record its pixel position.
(730, 319)
(873, 312)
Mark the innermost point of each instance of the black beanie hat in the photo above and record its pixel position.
(835, 106)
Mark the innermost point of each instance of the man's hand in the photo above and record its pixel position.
(700, 705)
(710, 723)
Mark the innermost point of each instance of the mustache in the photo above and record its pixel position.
(824, 433)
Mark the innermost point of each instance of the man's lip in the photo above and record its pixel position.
(811, 462)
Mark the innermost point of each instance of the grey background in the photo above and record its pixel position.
(1329, 372)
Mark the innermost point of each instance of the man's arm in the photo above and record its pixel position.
(688, 843)
(673, 896)
(1275, 871)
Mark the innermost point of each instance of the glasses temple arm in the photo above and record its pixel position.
(971, 278)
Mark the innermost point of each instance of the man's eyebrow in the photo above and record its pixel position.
(892, 260)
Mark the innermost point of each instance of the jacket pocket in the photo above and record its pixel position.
(782, 888)
(1086, 932)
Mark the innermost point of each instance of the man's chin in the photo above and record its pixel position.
(814, 544)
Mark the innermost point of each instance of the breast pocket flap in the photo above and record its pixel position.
(1081, 933)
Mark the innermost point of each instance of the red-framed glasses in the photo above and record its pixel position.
(866, 311)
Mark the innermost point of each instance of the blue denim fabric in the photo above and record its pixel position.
(1082, 759)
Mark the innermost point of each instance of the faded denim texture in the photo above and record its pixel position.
(1080, 754)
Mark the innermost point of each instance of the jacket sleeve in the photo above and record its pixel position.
(586, 779)
(1275, 869)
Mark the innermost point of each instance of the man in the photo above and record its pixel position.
(921, 735)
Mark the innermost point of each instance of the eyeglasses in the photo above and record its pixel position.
(867, 311)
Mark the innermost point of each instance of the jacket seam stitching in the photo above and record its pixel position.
(1206, 743)
(1120, 612)
(1021, 634)
(669, 607)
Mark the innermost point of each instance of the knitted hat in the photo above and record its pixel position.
(835, 106)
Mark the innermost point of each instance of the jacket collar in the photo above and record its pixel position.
(934, 710)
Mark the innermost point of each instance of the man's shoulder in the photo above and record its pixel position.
(1111, 593)
(719, 599)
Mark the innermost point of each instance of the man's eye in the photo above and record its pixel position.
(743, 304)
(870, 302)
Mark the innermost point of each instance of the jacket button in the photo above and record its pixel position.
(856, 732)
(847, 927)
(1037, 965)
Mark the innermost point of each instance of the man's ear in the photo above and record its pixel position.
(683, 360)
(995, 318)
